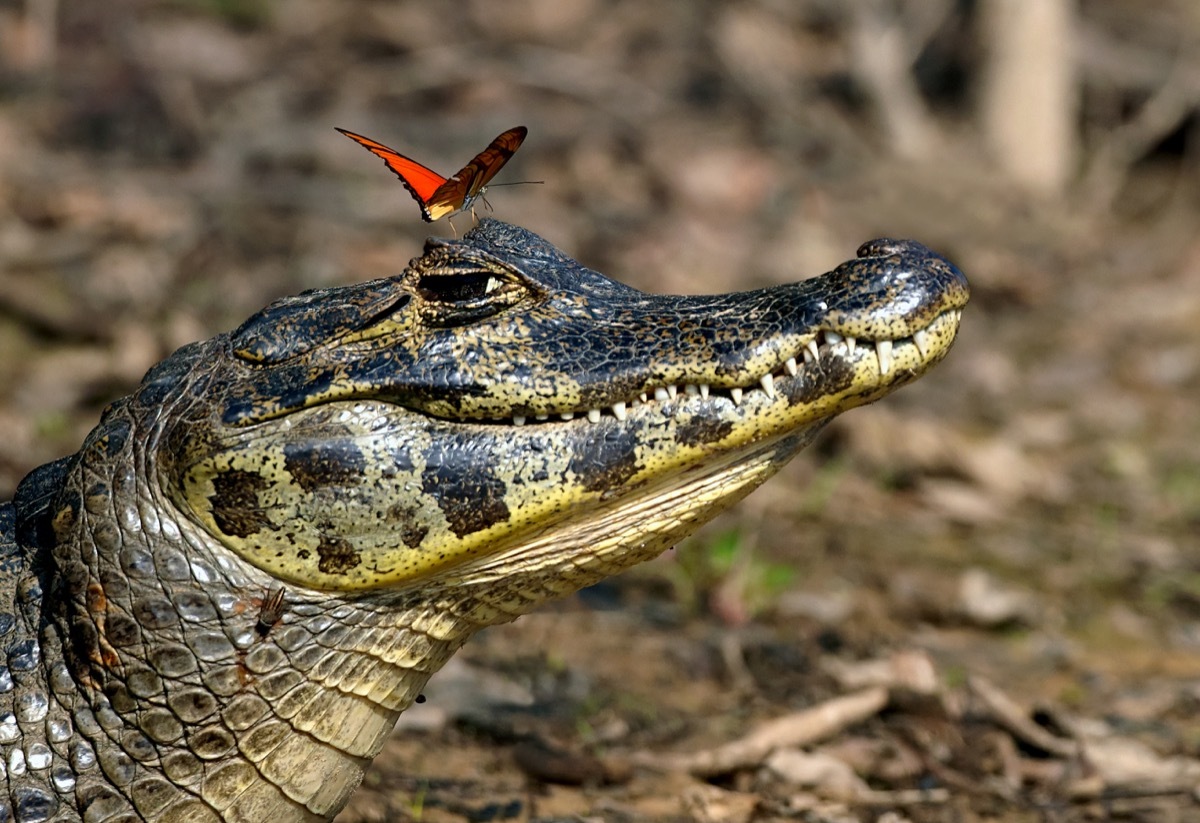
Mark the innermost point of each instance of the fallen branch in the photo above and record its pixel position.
(799, 729)
(1012, 717)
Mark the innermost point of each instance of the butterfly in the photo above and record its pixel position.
(441, 196)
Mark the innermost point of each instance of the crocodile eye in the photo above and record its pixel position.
(457, 288)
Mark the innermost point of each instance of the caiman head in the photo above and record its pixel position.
(501, 420)
(270, 546)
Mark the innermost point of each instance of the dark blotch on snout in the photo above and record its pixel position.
(702, 430)
(321, 465)
(604, 461)
(469, 493)
(235, 505)
(336, 556)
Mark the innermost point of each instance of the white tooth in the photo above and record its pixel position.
(635, 402)
(518, 420)
(691, 389)
(850, 344)
(618, 410)
(594, 415)
(808, 356)
(811, 346)
(922, 341)
(672, 391)
(661, 395)
(704, 390)
(768, 384)
(567, 415)
(492, 285)
(790, 365)
(541, 417)
(883, 350)
(832, 337)
(644, 398)
(736, 394)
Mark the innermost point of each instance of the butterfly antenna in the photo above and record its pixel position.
(518, 183)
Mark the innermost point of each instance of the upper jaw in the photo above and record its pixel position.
(885, 360)
(547, 348)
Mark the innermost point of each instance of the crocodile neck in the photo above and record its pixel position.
(245, 720)
(284, 720)
(180, 665)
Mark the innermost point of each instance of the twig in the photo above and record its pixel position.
(903, 797)
(1012, 717)
(880, 58)
(799, 729)
(1110, 164)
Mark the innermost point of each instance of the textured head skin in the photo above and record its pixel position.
(257, 560)
(331, 408)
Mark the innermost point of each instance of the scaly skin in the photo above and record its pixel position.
(218, 607)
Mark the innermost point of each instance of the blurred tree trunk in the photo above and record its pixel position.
(1030, 95)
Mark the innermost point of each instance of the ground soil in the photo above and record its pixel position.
(1023, 517)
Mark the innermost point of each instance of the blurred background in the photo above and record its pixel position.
(1027, 513)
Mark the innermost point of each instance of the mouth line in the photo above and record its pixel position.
(822, 346)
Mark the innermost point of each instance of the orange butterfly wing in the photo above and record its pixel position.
(460, 190)
(422, 182)
(439, 196)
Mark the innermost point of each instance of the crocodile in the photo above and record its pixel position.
(218, 607)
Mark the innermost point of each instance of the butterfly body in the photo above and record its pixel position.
(440, 196)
